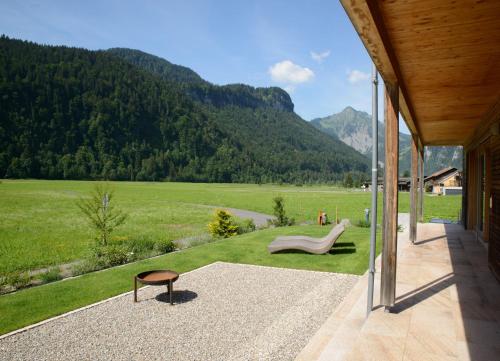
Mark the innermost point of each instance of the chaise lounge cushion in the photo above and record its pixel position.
(307, 244)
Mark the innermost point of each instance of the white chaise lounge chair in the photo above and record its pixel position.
(307, 244)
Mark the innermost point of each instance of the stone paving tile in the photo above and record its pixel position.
(447, 306)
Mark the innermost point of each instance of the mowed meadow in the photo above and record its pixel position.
(41, 225)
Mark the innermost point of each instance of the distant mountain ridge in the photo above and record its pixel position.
(203, 91)
(354, 128)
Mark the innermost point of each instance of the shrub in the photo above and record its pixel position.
(246, 225)
(17, 279)
(89, 264)
(101, 213)
(195, 241)
(400, 228)
(138, 245)
(279, 212)
(223, 225)
(52, 275)
(164, 246)
(363, 223)
(107, 256)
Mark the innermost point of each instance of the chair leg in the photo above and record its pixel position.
(170, 291)
(135, 289)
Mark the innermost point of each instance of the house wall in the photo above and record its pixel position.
(490, 149)
(494, 214)
(452, 182)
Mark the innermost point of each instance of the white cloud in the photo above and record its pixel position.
(289, 73)
(319, 57)
(356, 76)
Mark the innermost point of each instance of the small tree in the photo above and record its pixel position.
(101, 213)
(279, 212)
(223, 225)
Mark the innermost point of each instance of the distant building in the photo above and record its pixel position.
(445, 181)
(367, 185)
(404, 184)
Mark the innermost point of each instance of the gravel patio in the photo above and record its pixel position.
(222, 312)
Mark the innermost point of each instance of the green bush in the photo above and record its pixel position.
(89, 264)
(164, 246)
(108, 256)
(52, 275)
(363, 223)
(195, 241)
(223, 225)
(281, 218)
(245, 225)
(17, 280)
(138, 245)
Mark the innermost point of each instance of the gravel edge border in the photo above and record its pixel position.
(29, 327)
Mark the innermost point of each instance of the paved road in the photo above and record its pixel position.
(260, 219)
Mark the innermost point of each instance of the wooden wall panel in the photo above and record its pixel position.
(494, 213)
(471, 189)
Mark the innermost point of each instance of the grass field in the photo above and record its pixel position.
(41, 226)
(350, 255)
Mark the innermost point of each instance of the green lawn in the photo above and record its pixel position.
(350, 255)
(40, 224)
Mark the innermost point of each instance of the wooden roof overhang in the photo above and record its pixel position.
(445, 57)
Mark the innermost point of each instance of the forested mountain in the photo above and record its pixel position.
(354, 128)
(69, 113)
(200, 90)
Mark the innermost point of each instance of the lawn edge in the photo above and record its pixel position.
(83, 308)
(40, 323)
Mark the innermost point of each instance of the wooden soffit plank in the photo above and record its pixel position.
(487, 127)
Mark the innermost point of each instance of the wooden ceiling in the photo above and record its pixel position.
(445, 56)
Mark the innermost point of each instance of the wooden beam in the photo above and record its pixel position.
(390, 221)
(368, 23)
(421, 185)
(413, 189)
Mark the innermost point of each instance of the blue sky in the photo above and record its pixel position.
(307, 47)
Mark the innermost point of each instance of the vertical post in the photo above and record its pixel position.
(390, 224)
(135, 288)
(413, 189)
(373, 229)
(421, 187)
(464, 189)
